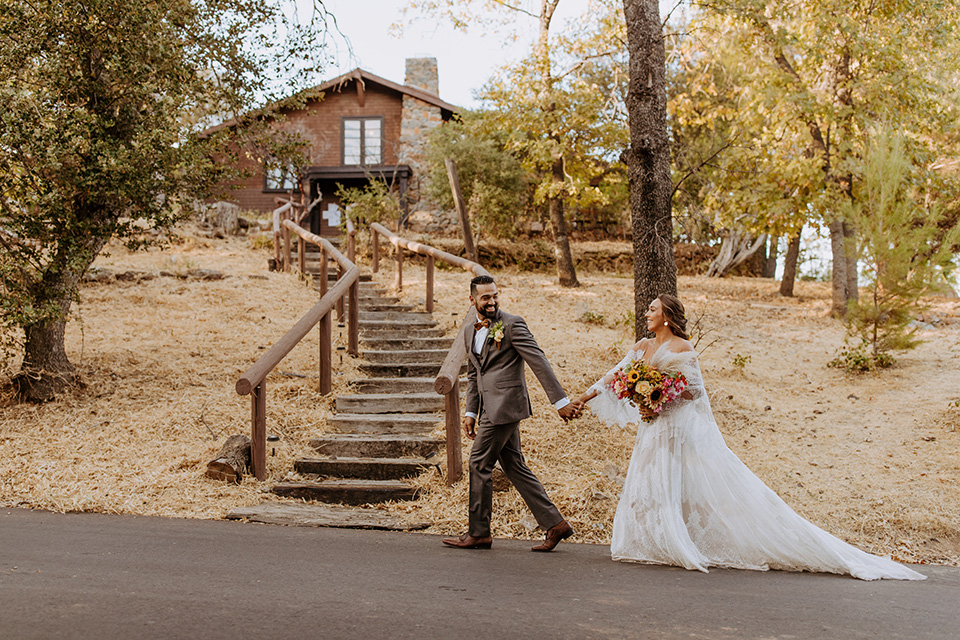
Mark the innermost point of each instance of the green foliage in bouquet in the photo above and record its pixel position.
(905, 251)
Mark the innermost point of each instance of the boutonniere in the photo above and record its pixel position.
(496, 332)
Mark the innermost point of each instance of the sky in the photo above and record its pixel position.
(465, 60)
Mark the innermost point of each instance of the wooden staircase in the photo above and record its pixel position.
(383, 428)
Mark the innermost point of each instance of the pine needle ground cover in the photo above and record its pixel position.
(870, 458)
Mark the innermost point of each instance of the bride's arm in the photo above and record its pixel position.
(605, 381)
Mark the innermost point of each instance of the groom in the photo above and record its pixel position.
(497, 401)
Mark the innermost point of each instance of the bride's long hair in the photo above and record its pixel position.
(674, 313)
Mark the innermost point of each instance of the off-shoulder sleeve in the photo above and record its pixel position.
(690, 368)
(606, 405)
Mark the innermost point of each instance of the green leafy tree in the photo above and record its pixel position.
(810, 79)
(904, 250)
(556, 119)
(102, 106)
(494, 184)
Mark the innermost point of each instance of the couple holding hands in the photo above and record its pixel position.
(687, 499)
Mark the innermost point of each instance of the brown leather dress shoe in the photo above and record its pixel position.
(467, 541)
(556, 533)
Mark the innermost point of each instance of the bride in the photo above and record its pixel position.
(688, 500)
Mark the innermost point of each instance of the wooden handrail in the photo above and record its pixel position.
(447, 382)
(253, 381)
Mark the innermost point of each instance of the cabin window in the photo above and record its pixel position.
(362, 141)
(277, 177)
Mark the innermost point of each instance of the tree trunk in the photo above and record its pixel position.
(648, 159)
(838, 307)
(790, 267)
(566, 272)
(231, 461)
(770, 263)
(46, 370)
(850, 247)
(736, 248)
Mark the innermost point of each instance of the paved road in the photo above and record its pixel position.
(100, 576)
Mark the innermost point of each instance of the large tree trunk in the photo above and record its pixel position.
(736, 248)
(648, 159)
(790, 267)
(46, 370)
(566, 272)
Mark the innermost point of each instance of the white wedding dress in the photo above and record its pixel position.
(689, 501)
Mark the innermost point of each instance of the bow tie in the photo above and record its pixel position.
(483, 323)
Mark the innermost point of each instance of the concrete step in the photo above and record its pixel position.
(409, 423)
(390, 332)
(377, 445)
(399, 357)
(347, 491)
(299, 514)
(396, 316)
(404, 370)
(396, 385)
(364, 468)
(390, 402)
(402, 344)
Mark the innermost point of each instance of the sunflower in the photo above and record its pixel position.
(633, 376)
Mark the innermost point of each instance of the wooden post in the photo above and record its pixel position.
(452, 408)
(286, 245)
(429, 284)
(326, 359)
(302, 257)
(258, 431)
(353, 321)
(461, 205)
(375, 247)
(340, 272)
(398, 257)
(323, 272)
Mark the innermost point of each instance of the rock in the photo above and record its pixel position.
(612, 472)
(599, 495)
(99, 274)
(205, 274)
(223, 216)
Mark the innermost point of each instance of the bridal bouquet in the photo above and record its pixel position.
(647, 386)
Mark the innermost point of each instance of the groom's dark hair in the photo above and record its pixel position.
(478, 281)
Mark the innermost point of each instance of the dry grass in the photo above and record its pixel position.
(871, 458)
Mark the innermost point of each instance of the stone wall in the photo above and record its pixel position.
(418, 119)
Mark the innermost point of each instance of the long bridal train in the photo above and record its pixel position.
(689, 501)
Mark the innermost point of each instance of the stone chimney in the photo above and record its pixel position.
(422, 74)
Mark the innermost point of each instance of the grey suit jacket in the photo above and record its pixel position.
(496, 383)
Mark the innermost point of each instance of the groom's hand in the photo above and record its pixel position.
(469, 427)
(569, 412)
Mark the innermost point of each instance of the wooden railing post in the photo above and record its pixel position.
(286, 245)
(340, 272)
(258, 431)
(324, 274)
(302, 257)
(429, 284)
(398, 257)
(353, 321)
(326, 355)
(375, 248)
(452, 409)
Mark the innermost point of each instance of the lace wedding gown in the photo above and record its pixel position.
(689, 501)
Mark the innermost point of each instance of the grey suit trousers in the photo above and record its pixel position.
(502, 442)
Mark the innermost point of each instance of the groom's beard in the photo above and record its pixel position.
(490, 311)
